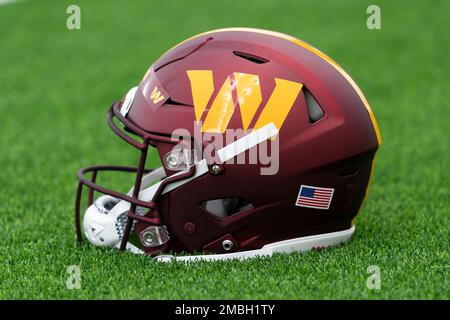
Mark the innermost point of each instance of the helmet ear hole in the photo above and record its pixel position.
(314, 110)
(225, 207)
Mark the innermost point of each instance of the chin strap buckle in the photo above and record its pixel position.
(154, 236)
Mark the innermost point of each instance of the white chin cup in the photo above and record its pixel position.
(104, 221)
(100, 227)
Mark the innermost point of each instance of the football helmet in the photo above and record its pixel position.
(266, 144)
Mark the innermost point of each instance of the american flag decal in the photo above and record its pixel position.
(314, 197)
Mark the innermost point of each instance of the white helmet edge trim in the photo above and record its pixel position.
(286, 246)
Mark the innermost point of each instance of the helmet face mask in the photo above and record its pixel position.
(221, 108)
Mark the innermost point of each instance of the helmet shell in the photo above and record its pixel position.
(336, 151)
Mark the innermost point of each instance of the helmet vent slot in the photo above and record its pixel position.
(314, 110)
(250, 57)
(222, 208)
(347, 172)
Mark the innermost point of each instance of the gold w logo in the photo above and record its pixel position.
(156, 95)
(249, 98)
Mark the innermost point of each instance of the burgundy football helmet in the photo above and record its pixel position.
(266, 144)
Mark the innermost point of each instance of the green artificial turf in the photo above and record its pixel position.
(55, 88)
